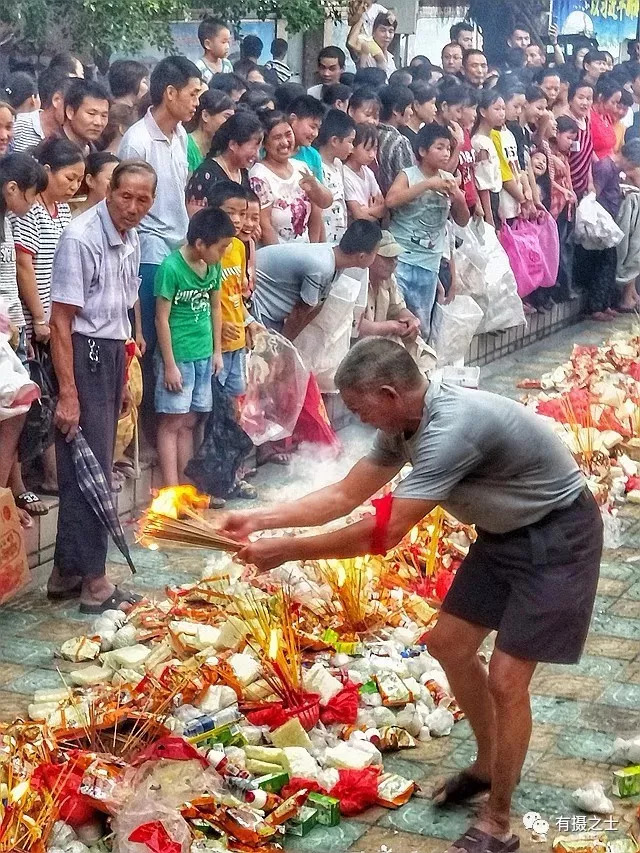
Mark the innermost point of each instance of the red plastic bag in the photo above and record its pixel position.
(175, 748)
(73, 807)
(313, 423)
(271, 715)
(632, 484)
(156, 838)
(343, 708)
(357, 790)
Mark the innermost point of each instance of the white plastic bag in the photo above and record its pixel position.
(483, 272)
(324, 342)
(452, 328)
(17, 391)
(592, 798)
(595, 227)
(276, 389)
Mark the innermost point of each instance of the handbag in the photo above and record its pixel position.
(520, 242)
(38, 431)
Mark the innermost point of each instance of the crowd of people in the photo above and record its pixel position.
(178, 209)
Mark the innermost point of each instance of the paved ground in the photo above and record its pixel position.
(578, 710)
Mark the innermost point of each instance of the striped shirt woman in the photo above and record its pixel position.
(581, 157)
(37, 233)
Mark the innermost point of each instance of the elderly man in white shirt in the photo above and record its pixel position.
(94, 286)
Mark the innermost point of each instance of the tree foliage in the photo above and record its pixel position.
(98, 27)
(300, 15)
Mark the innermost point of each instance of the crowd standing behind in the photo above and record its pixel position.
(179, 208)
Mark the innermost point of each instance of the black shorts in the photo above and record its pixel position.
(535, 585)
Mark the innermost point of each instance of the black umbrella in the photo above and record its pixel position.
(97, 491)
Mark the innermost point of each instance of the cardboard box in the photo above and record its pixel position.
(328, 808)
(302, 823)
(14, 568)
(626, 782)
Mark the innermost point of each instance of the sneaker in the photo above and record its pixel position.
(245, 491)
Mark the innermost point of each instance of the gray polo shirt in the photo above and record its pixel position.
(164, 228)
(290, 273)
(96, 268)
(486, 459)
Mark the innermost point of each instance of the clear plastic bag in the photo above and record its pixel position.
(453, 327)
(325, 341)
(595, 227)
(483, 272)
(276, 389)
(142, 810)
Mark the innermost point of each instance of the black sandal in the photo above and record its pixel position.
(476, 841)
(460, 789)
(26, 500)
(114, 601)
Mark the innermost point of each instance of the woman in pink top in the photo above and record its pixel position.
(604, 116)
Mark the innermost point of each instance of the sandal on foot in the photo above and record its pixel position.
(216, 503)
(64, 594)
(476, 841)
(27, 501)
(117, 597)
(460, 789)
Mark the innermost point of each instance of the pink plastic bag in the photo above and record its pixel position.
(521, 243)
(550, 247)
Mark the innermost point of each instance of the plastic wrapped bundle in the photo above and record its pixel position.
(276, 389)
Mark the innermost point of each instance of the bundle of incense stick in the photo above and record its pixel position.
(195, 532)
(175, 516)
(274, 637)
(583, 434)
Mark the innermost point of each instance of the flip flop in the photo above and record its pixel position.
(476, 841)
(460, 789)
(114, 601)
(25, 501)
(64, 594)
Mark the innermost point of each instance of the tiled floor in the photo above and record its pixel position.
(578, 711)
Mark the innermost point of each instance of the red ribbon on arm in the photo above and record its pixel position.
(383, 517)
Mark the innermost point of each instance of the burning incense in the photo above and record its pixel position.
(175, 516)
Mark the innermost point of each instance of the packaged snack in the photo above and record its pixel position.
(626, 782)
(580, 842)
(393, 690)
(288, 809)
(302, 823)
(393, 738)
(244, 823)
(394, 791)
(328, 808)
(273, 782)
